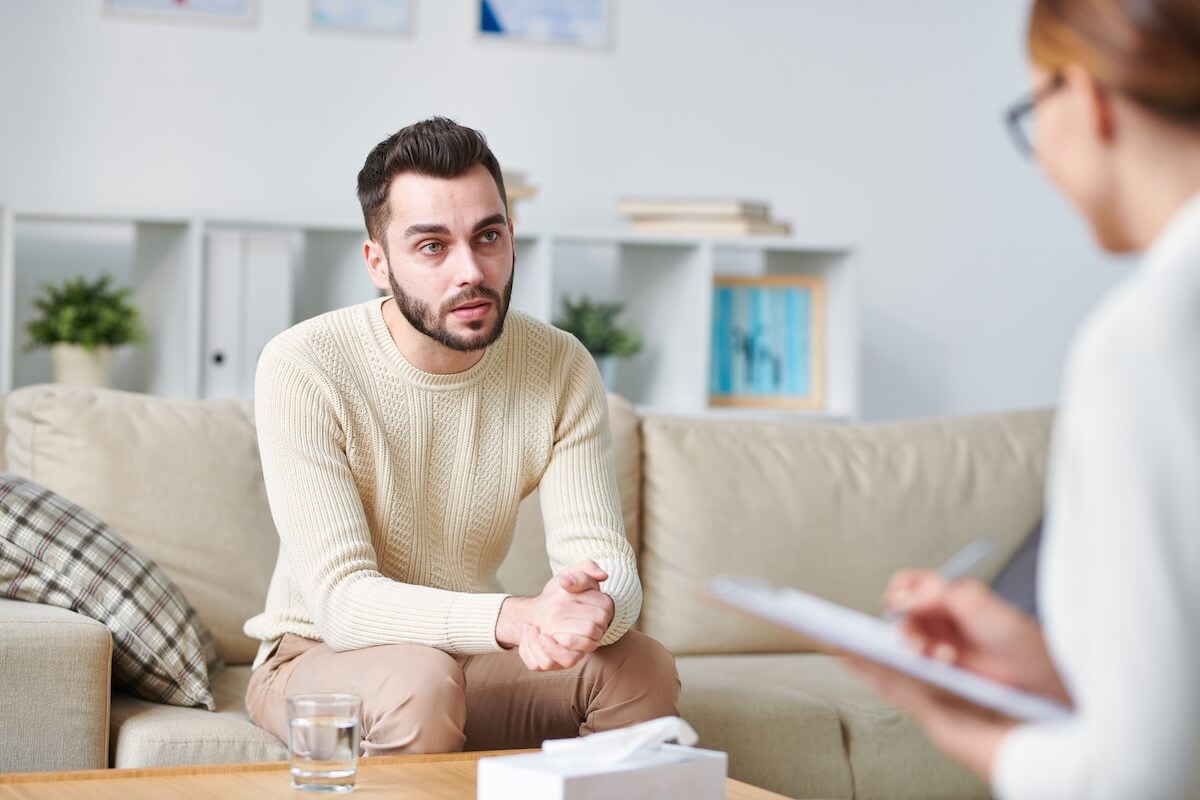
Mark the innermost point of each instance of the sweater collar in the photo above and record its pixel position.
(428, 380)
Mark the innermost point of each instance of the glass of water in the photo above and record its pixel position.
(323, 741)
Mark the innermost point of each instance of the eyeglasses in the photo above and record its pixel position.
(1020, 116)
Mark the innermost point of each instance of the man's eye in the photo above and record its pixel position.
(490, 236)
(431, 248)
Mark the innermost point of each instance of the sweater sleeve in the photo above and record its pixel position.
(1129, 517)
(580, 502)
(323, 529)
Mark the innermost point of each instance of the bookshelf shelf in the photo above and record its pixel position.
(219, 285)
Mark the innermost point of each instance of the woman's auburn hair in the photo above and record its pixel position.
(1147, 50)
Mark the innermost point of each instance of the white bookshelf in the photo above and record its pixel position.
(214, 290)
(154, 255)
(666, 284)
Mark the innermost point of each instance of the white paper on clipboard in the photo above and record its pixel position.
(875, 640)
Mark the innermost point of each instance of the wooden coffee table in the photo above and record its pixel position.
(441, 777)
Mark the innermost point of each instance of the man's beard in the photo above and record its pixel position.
(423, 318)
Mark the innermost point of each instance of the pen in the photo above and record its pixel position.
(958, 565)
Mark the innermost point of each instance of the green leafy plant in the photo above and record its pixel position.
(85, 313)
(594, 324)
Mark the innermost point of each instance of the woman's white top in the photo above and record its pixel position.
(1119, 584)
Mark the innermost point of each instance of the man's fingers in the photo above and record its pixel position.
(594, 607)
(592, 570)
(596, 615)
(543, 653)
(560, 657)
(576, 642)
(582, 580)
(593, 597)
(589, 568)
(578, 582)
(575, 626)
(525, 651)
(531, 645)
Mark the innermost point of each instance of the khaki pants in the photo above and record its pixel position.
(421, 700)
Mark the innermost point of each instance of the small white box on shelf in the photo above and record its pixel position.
(669, 771)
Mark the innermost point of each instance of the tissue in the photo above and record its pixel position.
(634, 763)
(622, 744)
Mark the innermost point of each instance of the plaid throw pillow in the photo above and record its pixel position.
(54, 552)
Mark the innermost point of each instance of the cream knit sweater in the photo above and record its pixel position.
(395, 491)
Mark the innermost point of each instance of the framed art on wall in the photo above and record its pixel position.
(570, 22)
(768, 342)
(367, 16)
(236, 11)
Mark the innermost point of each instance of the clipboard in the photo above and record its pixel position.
(871, 638)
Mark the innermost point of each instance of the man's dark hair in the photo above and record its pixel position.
(436, 147)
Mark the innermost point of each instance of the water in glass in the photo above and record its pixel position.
(324, 751)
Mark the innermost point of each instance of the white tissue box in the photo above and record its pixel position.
(670, 771)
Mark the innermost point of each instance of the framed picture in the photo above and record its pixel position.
(768, 342)
(570, 22)
(236, 11)
(366, 16)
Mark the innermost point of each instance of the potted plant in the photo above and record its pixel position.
(82, 322)
(594, 325)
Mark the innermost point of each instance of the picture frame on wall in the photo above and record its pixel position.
(362, 16)
(582, 23)
(768, 342)
(238, 12)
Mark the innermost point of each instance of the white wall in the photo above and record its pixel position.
(872, 121)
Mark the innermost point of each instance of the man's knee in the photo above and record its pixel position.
(640, 667)
(420, 707)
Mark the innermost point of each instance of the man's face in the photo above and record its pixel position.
(450, 257)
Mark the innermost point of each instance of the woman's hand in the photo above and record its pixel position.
(962, 623)
(966, 624)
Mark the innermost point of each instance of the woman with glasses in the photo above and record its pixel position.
(1116, 101)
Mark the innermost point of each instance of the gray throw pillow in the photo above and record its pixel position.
(55, 552)
(1017, 581)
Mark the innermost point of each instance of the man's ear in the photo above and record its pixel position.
(512, 237)
(377, 264)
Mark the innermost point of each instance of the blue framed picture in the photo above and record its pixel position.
(367, 16)
(571, 22)
(768, 342)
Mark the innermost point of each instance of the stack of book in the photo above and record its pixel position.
(699, 217)
(517, 188)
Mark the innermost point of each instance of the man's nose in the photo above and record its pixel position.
(467, 271)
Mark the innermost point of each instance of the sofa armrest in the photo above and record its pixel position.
(55, 668)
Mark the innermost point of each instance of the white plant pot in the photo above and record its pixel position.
(608, 371)
(79, 366)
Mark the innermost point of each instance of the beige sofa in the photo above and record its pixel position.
(830, 508)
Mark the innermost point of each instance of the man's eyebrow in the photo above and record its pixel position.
(426, 227)
(494, 219)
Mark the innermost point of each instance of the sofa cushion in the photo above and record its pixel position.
(831, 509)
(801, 725)
(526, 568)
(144, 734)
(180, 479)
(54, 552)
(749, 719)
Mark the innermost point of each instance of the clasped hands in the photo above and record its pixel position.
(560, 626)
